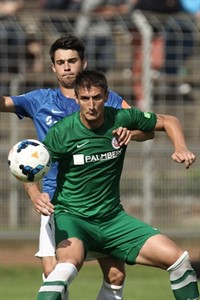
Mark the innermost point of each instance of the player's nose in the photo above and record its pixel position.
(66, 65)
(91, 103)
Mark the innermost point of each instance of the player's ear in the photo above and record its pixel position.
(76, 97)
(53, 68)
(106, 97)
(84, 62)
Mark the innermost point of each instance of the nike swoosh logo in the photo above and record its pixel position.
(81, 145)
(57, 111)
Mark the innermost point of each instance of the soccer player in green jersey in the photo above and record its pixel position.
(88, 213)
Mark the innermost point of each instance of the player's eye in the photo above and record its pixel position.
(85, 99)
(97, 97)
(72, 61)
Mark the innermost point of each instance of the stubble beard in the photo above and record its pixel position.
(67, 84)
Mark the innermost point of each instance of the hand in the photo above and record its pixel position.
(123, 135)
(184, 156)
(43, 205)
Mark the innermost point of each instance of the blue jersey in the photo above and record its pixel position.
(46, 107)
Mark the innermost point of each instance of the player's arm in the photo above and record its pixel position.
(172, 126)
(6, 104)
(41, 201)
(124, 135)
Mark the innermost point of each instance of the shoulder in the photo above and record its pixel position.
(44, 92)
(48, 95)
(69, 121)
(35, 93)
(35, 98)
(114, 100)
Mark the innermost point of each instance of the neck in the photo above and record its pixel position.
(69, 93)
(91, 124)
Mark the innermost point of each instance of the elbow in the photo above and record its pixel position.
(151, 135)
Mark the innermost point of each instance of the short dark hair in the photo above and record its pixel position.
(68, 42)
(89, 78)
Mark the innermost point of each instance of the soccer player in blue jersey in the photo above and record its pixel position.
(88, 213)
(45, 107)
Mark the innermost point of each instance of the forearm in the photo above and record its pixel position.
(172, 126)
(32, 189)
(40, 200)
(141, 136)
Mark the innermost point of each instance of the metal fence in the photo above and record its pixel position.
(153, 61)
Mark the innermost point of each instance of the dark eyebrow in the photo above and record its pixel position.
(73, 59)
(95, 97)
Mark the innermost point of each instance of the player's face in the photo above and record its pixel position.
(67, 64)
(91, 106)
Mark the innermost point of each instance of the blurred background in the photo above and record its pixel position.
(151, 57)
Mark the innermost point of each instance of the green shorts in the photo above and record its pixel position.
(121, 236)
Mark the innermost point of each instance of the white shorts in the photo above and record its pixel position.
(47, 240)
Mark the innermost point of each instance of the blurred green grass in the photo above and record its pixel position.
(142, 283)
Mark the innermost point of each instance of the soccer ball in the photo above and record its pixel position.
(29, 160)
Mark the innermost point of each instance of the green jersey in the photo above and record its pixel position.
(90, 161)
